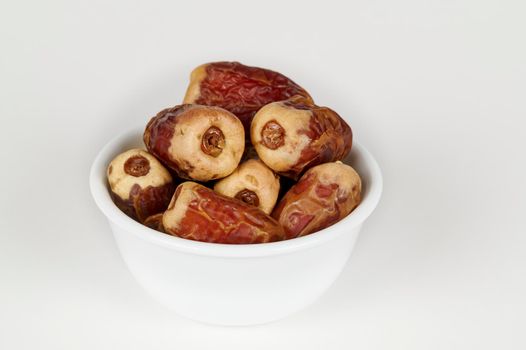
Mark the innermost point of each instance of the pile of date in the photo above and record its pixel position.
(247, 158)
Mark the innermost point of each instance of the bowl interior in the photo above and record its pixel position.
(359, 158)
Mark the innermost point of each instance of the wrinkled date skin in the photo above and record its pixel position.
(200, 214)
(294, 135)
(139, 185)
(155, 222)
(197, 142)
(323, 196)
(240, 89)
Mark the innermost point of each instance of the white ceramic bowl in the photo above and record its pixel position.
(234, 284)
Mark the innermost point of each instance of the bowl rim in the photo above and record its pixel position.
(101, 196)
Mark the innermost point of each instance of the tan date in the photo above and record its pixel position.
(139, 184)
(198, 213)
(324, 195)
(253, 183)
(293, 135)
(198, 142)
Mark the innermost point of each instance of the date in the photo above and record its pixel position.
(198, 213)
(139, 184)
(198, 142)
(293, 135)
(155, 222)
(241, 89)
(324, 195)
(253, 183)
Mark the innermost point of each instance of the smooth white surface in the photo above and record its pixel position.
(229, 284)
(435, 89)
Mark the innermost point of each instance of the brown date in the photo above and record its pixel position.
(139, 184)
(241, 89)
(198, 142)
(324, 195)
(155, 222)
(293, 135)
(253, 183)
(198, 213)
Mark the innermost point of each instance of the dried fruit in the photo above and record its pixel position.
(198, 142)
(241, 89)
(253, 183)
(140, 185)
(324, 195)
(155, 222)
(293, 135)
(198, 213)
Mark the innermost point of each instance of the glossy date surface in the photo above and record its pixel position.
(240, 89)
(294, 135)
(198, 213)
(323, 196)
(197, 142)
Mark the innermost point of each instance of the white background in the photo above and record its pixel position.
(435, 89)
